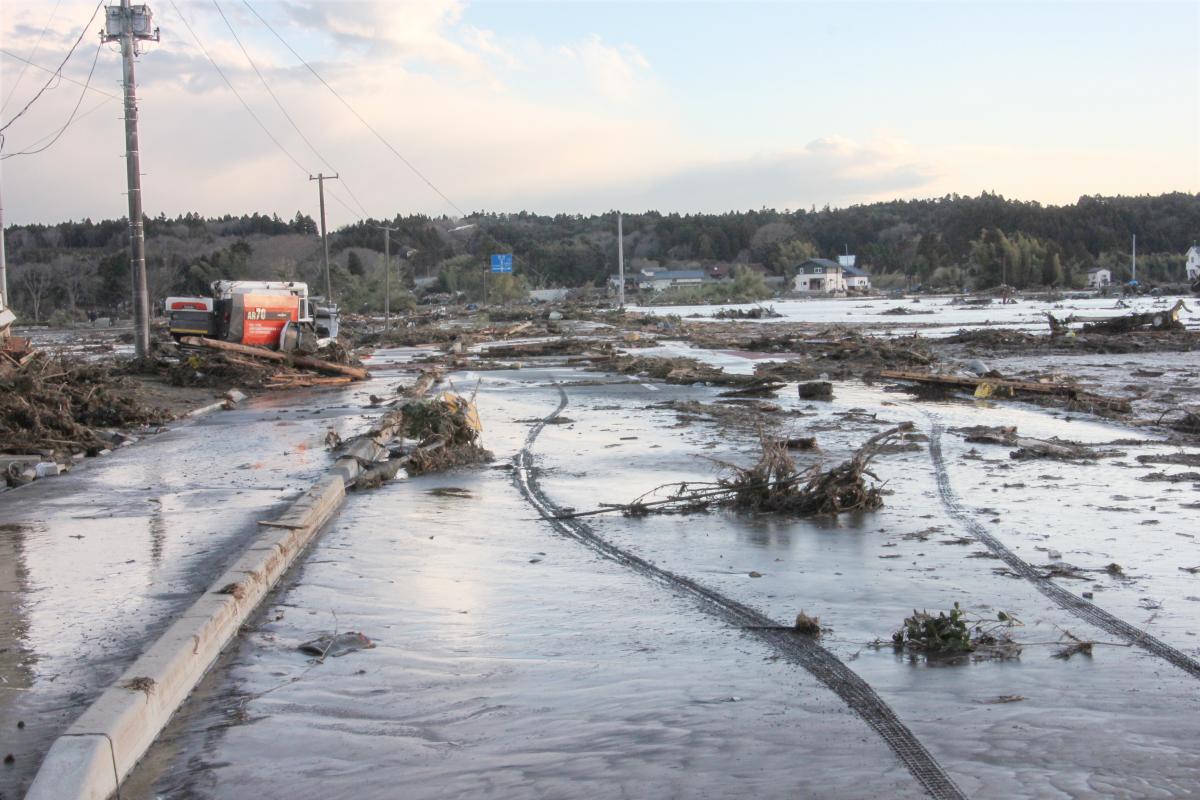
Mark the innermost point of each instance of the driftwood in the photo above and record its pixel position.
(1167, 320)
(1003, 387)
(302, 361)
(772, 485)
(1154, 320)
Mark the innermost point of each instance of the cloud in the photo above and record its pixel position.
(830, 170)
(615, 72)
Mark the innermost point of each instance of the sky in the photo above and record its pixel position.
(585, 107)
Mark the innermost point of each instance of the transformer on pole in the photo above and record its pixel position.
(129, 25)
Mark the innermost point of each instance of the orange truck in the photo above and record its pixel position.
(274, 314)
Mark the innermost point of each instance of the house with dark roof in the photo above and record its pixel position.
(819, 276)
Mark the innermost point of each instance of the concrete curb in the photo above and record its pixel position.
(95, 755)
(99, 750)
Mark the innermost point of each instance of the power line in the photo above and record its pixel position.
(353, 111)
(70, 119)
(283, 110)
(246, 105)
(32, 53)
(66, 78)
(57, 72)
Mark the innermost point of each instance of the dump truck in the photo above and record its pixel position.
(278, 315)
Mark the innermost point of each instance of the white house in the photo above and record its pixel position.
(819, 275)
(1098, 278)
(855, 278)
(1193, 263)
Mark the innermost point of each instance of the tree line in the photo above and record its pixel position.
(948, 242)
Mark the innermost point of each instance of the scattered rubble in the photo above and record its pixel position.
(60, 409)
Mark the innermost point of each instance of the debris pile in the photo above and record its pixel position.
(758, 312)
(841, 354)
(447, 431)
(773, 484)
(58, 408)
(258, 366)
(957, 634)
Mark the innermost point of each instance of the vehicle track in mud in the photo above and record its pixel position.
(801, 650)
(1084, 609)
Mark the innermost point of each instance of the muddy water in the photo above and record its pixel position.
(1116, 724)
(95, 563)
(936, 314)
(509, 663)
(512, 662)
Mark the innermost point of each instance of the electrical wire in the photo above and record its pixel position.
(283, 110)
(70, 119)
(249, 110)
(353, 111)
(66, 78)
(32, 53)
(57, 73)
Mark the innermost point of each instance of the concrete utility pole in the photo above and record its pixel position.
(320, 179)
(1133, 257)
(129, 25)
(387, 276)
(620, 263)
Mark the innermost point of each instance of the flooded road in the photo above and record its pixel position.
(512, 660)
(93, 565)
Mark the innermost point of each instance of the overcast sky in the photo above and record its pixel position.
(590, 106)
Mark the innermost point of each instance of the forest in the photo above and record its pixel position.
(60, 272)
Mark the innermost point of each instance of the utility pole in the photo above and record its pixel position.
(1133, 256)
(129, 25)
(3, 267)
(320, 179)
(620, 263)
(387, 276)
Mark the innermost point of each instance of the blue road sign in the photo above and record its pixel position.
(502, 262)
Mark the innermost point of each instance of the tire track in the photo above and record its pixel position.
(1085, 610)
(818, 661)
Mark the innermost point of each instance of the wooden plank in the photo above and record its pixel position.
(321, 365)
(307, 362)
(233, 347)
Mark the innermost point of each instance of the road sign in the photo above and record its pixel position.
(502, 262)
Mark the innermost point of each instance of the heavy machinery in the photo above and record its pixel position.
(275, 314)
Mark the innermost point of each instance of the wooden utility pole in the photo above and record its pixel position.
(320, 178)
(387, 276)
(130, 25)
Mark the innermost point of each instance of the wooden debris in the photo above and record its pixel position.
(302, 361)
(1003, 387)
